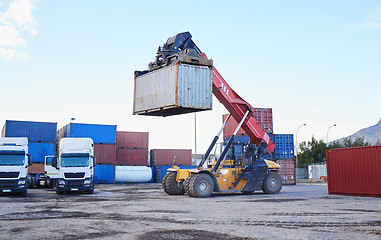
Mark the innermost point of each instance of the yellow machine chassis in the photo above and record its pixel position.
(226, 175)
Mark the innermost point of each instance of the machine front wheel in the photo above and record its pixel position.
(173, 187)
(201, 186)
(186, 184)
(272, 183)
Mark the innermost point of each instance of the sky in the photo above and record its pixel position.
(313, 62)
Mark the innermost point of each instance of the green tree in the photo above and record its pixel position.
(312, 152)
(378, 143)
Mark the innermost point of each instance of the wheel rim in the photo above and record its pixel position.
(273, 183)
(203, 186)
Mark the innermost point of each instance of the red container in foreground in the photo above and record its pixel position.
(287, 171)
(131, 139)
(131, 157)
(105, 153)
(354, 171)
(264, 117)
(161, 157)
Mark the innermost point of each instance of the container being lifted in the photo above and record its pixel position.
(183, 86)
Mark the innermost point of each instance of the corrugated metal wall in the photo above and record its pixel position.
(178, 85)
(354, 171)
(104, 173)
(166, 156)
(34, 131)
(105, 153)
(39, 151)
(105, 134)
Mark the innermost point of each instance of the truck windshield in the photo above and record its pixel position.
(73, 161)
(13, 159)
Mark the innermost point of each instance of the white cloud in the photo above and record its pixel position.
(14, 22)
(10, 54)
(371, 21)
(9, 36)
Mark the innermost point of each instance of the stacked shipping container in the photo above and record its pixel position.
(132, 148)
(162, 159)
(264, 117)
(41, 139)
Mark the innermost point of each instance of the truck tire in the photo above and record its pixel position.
(33, 182)
(201, 186)
(172, 186)
(272, 183)
(164, 183)
(48, 182)
(29, 184)
(187, 182)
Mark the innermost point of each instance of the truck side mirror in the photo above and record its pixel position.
(30, 159)
(54, 162)
(94, 161)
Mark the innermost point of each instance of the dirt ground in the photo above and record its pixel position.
(144, 211)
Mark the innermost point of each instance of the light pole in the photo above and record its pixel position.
(296, 144)
(334, 125)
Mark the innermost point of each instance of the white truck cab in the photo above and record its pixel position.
(14, 162)
(75, 165)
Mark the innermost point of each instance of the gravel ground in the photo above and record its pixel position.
(144, 211)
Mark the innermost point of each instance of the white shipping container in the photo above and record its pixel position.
(176, 89)
(317, 171)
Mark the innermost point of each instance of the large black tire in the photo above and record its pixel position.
(164, 183)
(48, 182)
(33, 182)
(173, 188)
(272, 183)
(186, 184)
(201, 186)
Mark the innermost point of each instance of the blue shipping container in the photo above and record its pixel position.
(160, 171)
(34, 131)
(104, 174)
(284, 146)
(39, 151)
(101, 134)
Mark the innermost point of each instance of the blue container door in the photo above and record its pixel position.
(104, 174)
(284, 148)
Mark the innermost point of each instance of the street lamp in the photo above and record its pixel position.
(334, 125)
(296, 144)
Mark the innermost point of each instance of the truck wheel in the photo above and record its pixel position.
(272, 183)
(33, 182)
(29, 179)
(48, 182)
(201, 186)
(164, 183)
(187, 182)
(172, 186)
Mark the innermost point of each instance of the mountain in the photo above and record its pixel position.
(370, 134)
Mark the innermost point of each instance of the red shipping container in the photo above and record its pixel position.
(264, 117)
(105, 153)
(161, 157)
(131, 157)
(354, 171)
(287, 171)
(132, 139)
(36, 168)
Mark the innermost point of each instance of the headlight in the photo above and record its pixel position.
(61, 182)
(21, 182)
(87, 181)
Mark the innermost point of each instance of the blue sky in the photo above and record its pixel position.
(313, 62)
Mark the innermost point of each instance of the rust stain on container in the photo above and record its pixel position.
(354, 171)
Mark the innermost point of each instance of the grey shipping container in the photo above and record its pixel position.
(34, 131)
(176, 89)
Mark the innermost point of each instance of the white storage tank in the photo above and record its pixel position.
(133, 174)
